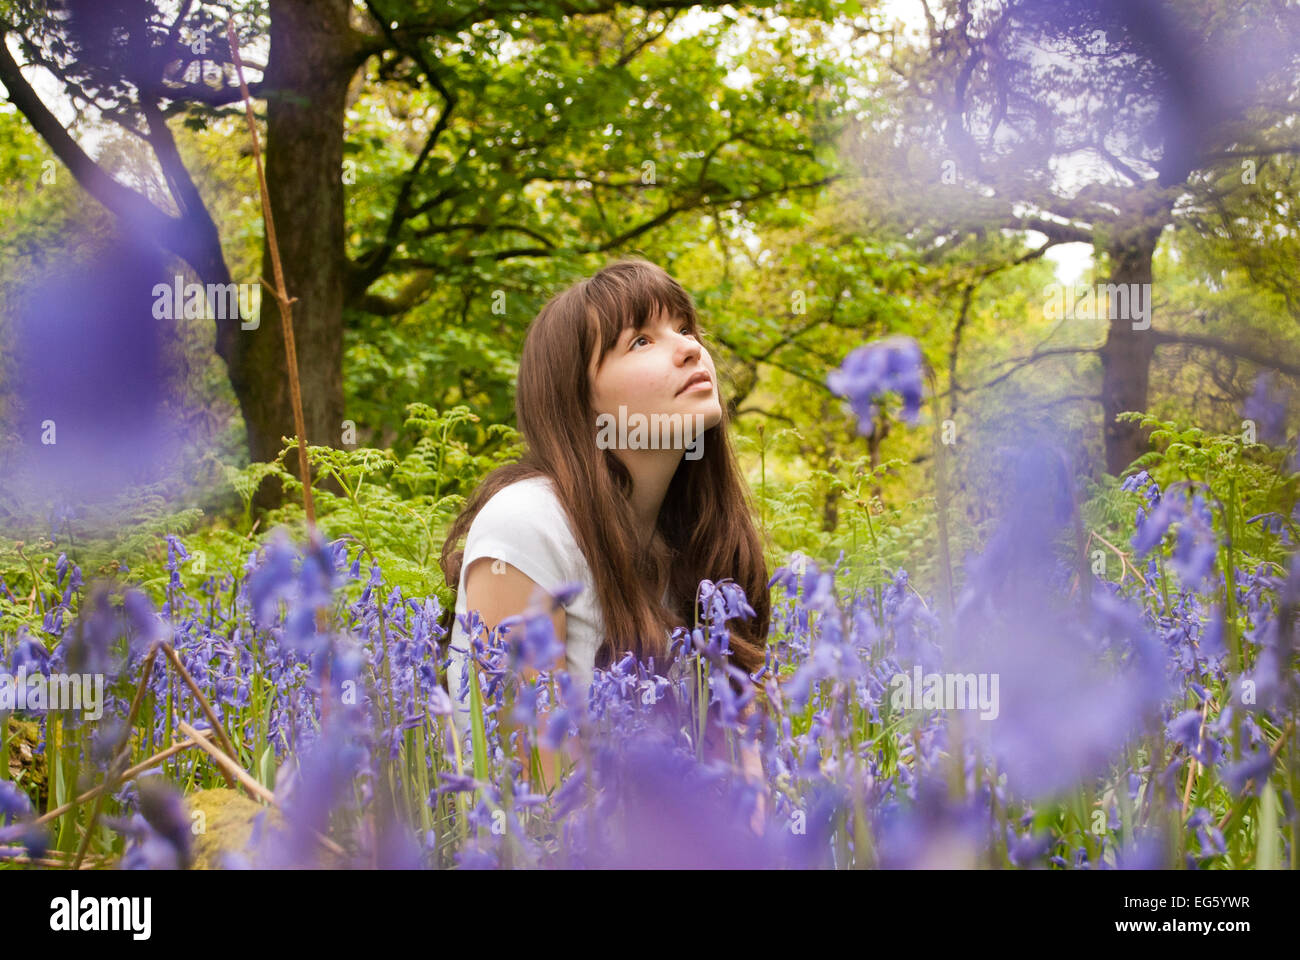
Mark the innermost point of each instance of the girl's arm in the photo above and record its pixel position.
(497, 590)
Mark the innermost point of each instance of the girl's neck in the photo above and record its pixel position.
(652, 471)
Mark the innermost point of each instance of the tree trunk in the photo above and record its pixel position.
(311, 60)
(1127, 352)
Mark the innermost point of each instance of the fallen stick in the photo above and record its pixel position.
(118, 756)
(252, 786)
(42, 862)
(133, 772)
(208, 712)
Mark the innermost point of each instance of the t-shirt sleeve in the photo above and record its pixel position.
(524, 526)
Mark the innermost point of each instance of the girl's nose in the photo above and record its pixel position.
(692, 346)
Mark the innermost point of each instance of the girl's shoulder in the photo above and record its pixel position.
(522, 494)
(525, 524)
(528, 506)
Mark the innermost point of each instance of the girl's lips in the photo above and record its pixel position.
(705, 383)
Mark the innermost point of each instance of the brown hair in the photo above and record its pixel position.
(705, 521)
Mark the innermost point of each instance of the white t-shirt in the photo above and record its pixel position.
(525, 525)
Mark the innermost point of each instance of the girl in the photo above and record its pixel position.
(638, 523)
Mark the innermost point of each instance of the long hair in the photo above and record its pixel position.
(705, 522)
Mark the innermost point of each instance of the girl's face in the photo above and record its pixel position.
(648, 371)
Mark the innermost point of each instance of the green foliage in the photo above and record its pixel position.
(126, 537)
(1243, 480)
(573, 140)
(397, 508)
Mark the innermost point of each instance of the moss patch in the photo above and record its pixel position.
(227, 824)
(228, 817)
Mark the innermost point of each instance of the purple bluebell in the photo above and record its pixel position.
(90, 373)
(164, 811)
(660, 812)
(1252, 767)
(893, 365)
(1267, 406)
(14, 803)
(929, 831)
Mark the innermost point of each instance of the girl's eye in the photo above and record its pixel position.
(685, 328)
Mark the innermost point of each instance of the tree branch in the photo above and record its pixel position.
(1241, 351)
(173, 233)
(1018, 365)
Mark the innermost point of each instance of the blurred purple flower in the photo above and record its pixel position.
(164, 811)
(1268, 408)
(1148, 851)
(1073, 684)
(272, 579)
(14, 803)
(91, 382)
(893, 365)
(931, 832)
(1255, 766)
(1195, 547)
(29, 654)
(660, 809)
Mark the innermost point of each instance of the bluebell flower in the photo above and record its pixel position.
(272, 579)
(1268, 408)
(1186, 729)
(144, 620)
(163, 809)
(1148, 851)
(449, 782)
(14, 803)
(89, 354)
(1153, 526)
(1024, 851)
(930, 832)
(1255, 766)
(1196, 546)
(1202, 821)
(893, 365)
(564, 594)
(35, 838)
(439, 702)
(474, 857)
(29, 654)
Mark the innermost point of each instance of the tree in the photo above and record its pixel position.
(1147, 100)
(502, 109)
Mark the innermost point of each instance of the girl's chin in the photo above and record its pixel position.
(711, 413)
(705, 407)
